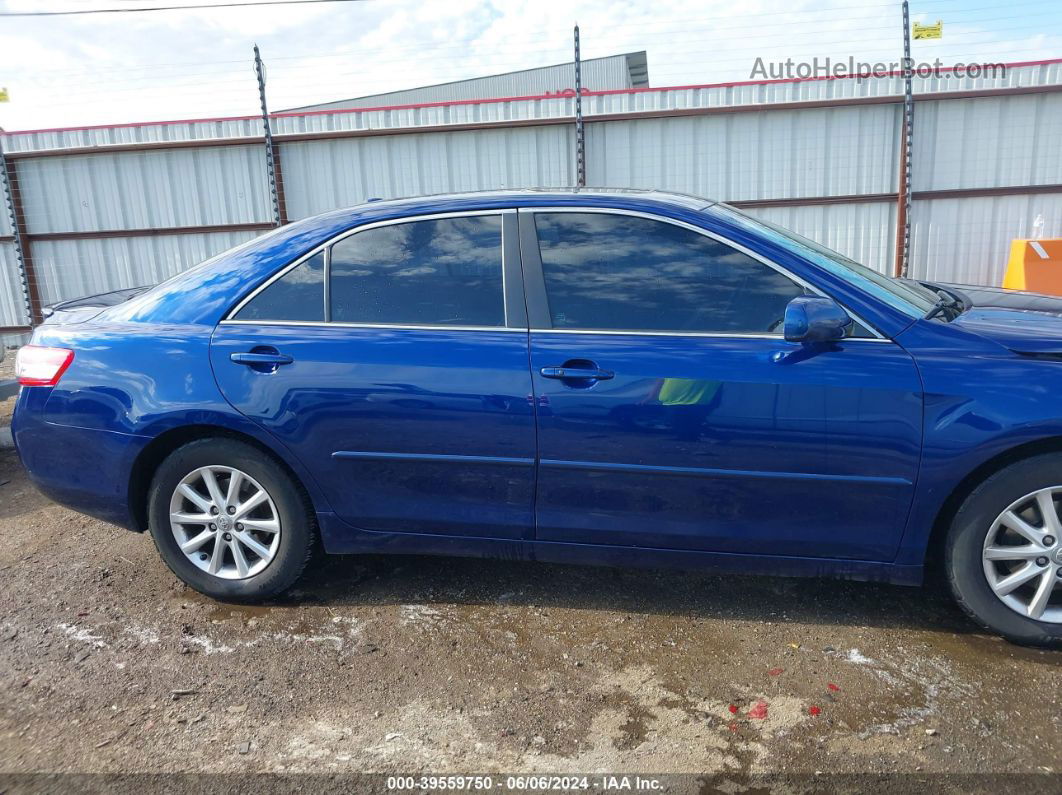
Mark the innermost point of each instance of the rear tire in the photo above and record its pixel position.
(982, 551)
(239, 545)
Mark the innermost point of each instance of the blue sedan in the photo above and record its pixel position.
(601, 377)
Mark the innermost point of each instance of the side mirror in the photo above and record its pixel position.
(813, 318)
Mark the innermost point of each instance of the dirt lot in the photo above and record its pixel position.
(430, 665)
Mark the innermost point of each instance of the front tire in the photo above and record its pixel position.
(229, 521)
(1004, 552)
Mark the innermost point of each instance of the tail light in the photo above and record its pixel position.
(38, 365)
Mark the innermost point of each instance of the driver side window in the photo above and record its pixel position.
(624, 273)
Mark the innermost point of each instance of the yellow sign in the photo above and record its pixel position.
(4, 97)
(928, 31)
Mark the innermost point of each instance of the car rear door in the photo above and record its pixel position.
(672, 413)
(394, 364)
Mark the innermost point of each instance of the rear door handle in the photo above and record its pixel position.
(261, 358)
(588, 374)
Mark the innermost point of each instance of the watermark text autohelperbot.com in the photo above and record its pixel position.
(790, 69)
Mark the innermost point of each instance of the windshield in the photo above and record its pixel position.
(910, 298)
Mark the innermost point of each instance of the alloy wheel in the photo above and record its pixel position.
(1022, 556)
(225, 522)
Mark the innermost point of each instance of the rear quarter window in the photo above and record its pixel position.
(296, 296)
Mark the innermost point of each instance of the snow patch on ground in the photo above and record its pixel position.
(301, 636)
(856, 657)
(932, 676)
(143, 634)
(209, 646)
(82, 635)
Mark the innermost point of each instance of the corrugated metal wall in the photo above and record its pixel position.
(70, 268)
(799, 158)
(864, 232)
(983, 143)
(195, 130)
(323, 175)
(5, 221)
(145, 190)
(12, 300)
(968, 240)
(777, 155)
(12, 303)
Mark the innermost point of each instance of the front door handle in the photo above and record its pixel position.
(261, 358)
(577, 373)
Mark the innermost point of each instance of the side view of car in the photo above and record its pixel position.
(604, 377)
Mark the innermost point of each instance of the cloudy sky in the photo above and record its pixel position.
(110, 68)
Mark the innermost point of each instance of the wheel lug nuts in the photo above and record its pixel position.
(239, 526)
(213, 527)
(232, 509)
(213, 509)
(1049, 541)
(227, 536)
(1041, 561)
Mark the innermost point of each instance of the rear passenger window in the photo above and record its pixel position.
(424, 273)
(298, 295)
(624, 273)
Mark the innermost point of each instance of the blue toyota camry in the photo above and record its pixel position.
(606, 377)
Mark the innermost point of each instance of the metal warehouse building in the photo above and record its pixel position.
(101, 208)
(629, 70)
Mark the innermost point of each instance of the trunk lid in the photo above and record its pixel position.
(78, 310)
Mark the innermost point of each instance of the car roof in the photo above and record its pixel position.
(539, 196)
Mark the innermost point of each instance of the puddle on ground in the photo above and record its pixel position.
(978, 647)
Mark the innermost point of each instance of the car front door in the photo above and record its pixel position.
(673, 414)
(393, 362)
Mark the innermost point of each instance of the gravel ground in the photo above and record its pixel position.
(411, 665)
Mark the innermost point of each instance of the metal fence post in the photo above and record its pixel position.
(580, 137)
(903, 206)
(272, 151)
(13, 205)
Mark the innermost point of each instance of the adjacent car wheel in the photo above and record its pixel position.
(1004, 552)
(229, 520)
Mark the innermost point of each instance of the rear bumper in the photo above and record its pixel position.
(84, 469)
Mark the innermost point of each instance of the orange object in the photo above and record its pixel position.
(1035, 265)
